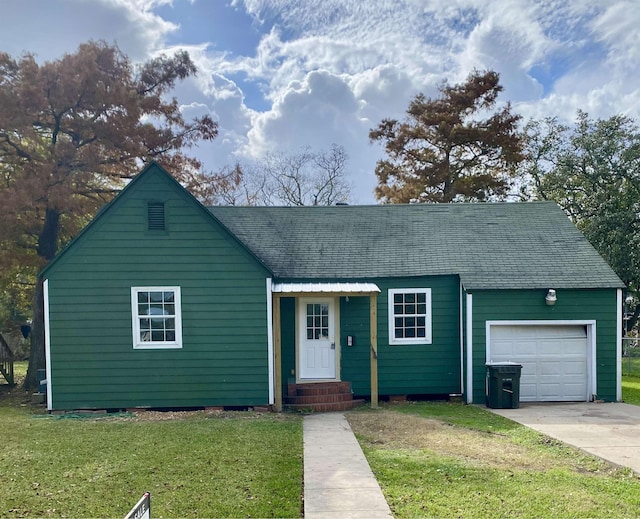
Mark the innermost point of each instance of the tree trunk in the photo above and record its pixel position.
(37, 353)
(47, 247)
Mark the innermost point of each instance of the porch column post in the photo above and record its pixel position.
(277, 352)
(373, 333)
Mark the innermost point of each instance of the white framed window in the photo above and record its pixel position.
(410, 316)
(156, 317)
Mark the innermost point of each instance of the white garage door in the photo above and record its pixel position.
(554, 360)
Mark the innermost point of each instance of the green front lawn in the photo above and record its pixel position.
(631, 389)
(452, 460)
(194, 464)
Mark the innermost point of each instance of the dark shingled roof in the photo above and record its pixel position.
(490, 245)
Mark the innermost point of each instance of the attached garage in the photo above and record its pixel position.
(556, 357)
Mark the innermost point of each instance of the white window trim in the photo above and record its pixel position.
(427, 339)
(135, 321)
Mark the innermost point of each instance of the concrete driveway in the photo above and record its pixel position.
(609, 431)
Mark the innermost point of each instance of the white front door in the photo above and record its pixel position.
(317, 338)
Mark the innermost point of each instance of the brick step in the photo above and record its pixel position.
(323, 388)
(326, 407)
(318, 399)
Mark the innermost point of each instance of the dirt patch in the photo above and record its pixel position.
(391, 430)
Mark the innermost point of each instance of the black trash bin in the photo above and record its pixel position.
(503, 385)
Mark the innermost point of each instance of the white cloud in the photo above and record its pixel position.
(315, 111)
(330, 71)
(50, 29)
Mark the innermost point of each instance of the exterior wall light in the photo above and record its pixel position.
(550, 298)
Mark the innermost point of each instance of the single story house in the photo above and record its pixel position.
(161, 302)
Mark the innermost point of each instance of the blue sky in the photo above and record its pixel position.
(279, 75)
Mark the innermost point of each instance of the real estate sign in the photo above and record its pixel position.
(142, 510)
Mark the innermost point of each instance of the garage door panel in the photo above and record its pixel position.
(549, 347)
(577, 368)
(575, 391)
(503, 348)
(549, 368)
(574, 346)
(548, 391)
(554, 359)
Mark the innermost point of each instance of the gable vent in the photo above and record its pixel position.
(155, 216)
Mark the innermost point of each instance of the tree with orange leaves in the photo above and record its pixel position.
(72, 131)
(457, 147)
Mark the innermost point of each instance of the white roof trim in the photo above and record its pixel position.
(323, 288)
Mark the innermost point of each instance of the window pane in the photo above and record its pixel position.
(155, 297)
(398, 333)
(170, 309)
(397, 309)
(316, 321)
(145, 336)
(169, 297)
(422, 297)
(171, 335)
(325, 321)
(399, 321)
(421, 321)
(421, 332)
(157, 324)
(397, 298)
(316, 334)
(143, 309)
(421, 309)
(309, 321)
(410, 322)
(410, 309)
(309, 333)
(145, 324)
(170, 324)
(410, 298)
(143, 297)
(409, 332)
(157, 336)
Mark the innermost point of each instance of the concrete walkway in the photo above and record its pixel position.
(338, 483)
(609, 431)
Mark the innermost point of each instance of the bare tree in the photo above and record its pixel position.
(290, 179)
(304, 178)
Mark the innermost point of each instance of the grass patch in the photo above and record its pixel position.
(631, 389)
(631, 365)
(196, 464)
(451, 460)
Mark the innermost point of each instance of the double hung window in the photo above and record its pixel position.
(410, 316)
(157, 319)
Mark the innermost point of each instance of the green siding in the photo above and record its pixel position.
(288, 330)
(223, 360)
(354, 361)
(597, 304)
(422, 369)
(407, 369)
